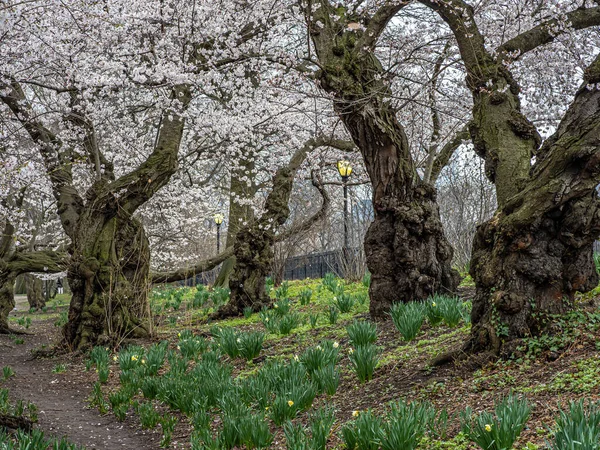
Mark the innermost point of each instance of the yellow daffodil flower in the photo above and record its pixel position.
(336, 344)
(488, 427)
(355, 413)
(134, 358)
(290, 403)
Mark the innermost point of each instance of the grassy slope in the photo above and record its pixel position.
(550, 371)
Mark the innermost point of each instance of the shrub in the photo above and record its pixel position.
(451, 310)
(156, 357)
(130, 357)
(250, 344)
(228, 341)
(269, 284)
(364, 359)
(295, 436)
(167, 423)
(362, 297)
(248, 310)
(327, 379)
(321, 422)
(99, 356)
(579, 428)
(499, 431)
(149, 417)
(282, 306)
(364, 433)
(361, 333)
(332, 314)
(97, 399)
(344, 302)
(331, 282)
(408, 318)
(270, 321)
(282, 291)
(433, 310)
(324, 354)
(219, 296)
(405, 425)
(366, 279)
(305, 297)
(149, 387)
(200, 297)
(7, 372)
(288, 322)
(103, 373)
(191, 348)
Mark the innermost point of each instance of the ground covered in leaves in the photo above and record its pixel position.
(288, 377)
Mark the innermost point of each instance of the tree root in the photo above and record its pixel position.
(233, 310)
(464, 354)
(15, 422)
(8, 330)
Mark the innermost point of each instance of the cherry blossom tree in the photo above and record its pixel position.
(535, 253)
(104, 91)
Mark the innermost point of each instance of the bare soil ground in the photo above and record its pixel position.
(61, 398)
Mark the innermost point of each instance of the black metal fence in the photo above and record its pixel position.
(314, 265)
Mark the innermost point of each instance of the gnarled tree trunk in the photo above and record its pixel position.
(109, 279)
(531, 258)
(253, 248)
(35, 294)
(109, 267)
(407, 253)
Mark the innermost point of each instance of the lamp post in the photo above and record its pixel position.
(345, 170)
(218, 220)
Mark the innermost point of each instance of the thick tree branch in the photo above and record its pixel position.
(548, 31)
(57, 166)
(379, 21)
(38, 261)
(568, 166)
(137, 187)
(315, 218)
(185, 273)
(444, 155)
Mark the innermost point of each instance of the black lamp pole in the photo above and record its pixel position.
(344, 182)
(218, 238)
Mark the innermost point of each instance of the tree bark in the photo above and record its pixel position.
(7, 299)
(109, 267)
(109, 279)
(238, 212)
(35, 296)
(531, 258)
(253, 249)
(407, 253)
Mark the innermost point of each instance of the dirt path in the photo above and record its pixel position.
(61, 398)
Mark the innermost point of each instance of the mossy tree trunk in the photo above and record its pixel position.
(15, 262)
(239, 211)
(109, 266)
(254, 244)
(35, 295)
(108, 276)
(407, 253)
(531, 258)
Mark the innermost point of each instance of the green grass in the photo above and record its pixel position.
(269, 389)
